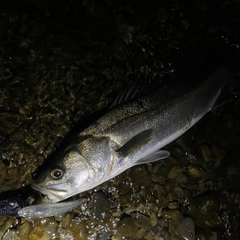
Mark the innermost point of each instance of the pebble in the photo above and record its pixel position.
(149, 236)
(186, 229)
(140, 233)
(161, 195)
(66, 221)
(207, 156)
(141, 177)
(195, 171)
(25, 228)
(6, 223)
(126, 228)
(12, 234)
(141, 220)
(173, 205)
(172, 216)
(179, 151)
(174, 172)
(216, 151)
(181, 178)
(101, 206)
(154, 219)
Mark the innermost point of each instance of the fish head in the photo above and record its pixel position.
(76, 169)
(60, 180)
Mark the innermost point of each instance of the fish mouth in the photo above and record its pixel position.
(54, 193)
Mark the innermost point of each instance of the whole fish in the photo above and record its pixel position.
(130, 134)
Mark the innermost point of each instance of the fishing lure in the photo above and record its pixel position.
(48, 209)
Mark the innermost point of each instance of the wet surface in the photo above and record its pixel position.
(61, 63)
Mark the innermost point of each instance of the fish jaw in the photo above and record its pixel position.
(54, 193)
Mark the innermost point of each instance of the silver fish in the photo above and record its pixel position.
(48, 209)
(130, 134)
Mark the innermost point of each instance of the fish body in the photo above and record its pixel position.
(130, 134)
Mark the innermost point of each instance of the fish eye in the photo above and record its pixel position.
(56, 173)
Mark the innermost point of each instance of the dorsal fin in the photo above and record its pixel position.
(139, 88)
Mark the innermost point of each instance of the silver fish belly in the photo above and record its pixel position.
(130, 134)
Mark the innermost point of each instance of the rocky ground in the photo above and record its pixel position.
(62, 62)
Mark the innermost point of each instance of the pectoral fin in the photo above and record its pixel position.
(134, 151)
(153, 157)
(135, 144)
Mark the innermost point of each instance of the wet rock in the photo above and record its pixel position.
(177, 193)
(195, 171)
(212, 219)
(45, 228)
(179, 151)
(140, 176)
(207, 156)
(161, 233)
(210, 213)
(162, 197)
(173, 205)
(170, 185)
(162, 222)
(154, 219)
(181, 178)
(11, 234)
(159, 179)
(216, 151)
(3, 169)
(172, 231)
(124, 200)
(4, 225)
(102, 235)
(77, 230)
(125, 187)
(174, 172)
(214, 236)
(201, 235)
(25, 228)
(101, 207)
(186, 229)
(38, 232)
(65, 223)
(141, 220)
(126, 228)
(140, 233)
(50, 229)
(205, 209)
(148, 236)
(172, 216)
(157, 166)
(152, 207)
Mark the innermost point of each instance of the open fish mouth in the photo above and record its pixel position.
(54, 193)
